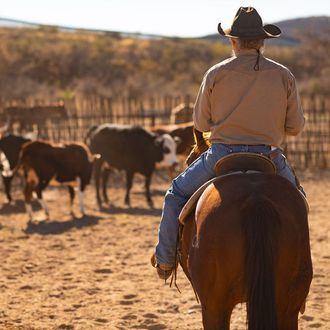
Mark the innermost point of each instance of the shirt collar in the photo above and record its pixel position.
(247, 52)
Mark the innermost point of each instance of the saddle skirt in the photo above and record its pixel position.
(237, 163)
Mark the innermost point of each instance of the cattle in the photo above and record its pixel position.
(184, 133)
(132, 149)
(10, 146)
(67, 163)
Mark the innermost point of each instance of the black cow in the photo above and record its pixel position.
(43, 161)
(129, 148)
(10, 147)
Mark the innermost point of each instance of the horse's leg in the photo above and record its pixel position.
(288, 321)
(216, 317)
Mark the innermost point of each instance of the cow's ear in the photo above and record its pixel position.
(177, 140)
(159, 141)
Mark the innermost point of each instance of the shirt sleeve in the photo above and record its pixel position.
(202, 108)
(295, 120)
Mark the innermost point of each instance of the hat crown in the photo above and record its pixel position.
(248, 24)
(246, 18)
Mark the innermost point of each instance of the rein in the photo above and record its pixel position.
(178, 260)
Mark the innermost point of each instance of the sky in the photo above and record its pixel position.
(183, 18)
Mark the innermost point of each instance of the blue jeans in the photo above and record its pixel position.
(185, 184)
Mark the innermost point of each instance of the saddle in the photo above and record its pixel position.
(241, 162)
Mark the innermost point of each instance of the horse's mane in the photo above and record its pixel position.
(202, 143)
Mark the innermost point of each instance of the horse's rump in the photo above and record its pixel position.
(250, 242)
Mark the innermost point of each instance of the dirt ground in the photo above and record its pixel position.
(94, 272)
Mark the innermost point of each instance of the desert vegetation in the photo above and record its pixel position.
(49, 62)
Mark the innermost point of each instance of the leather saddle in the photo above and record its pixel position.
(241, 162)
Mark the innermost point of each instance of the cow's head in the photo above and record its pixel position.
(167, 144)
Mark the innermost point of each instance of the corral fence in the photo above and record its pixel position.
(311, 149)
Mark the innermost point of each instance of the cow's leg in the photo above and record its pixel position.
(42, 201)
(129, 182)
(31, 182)
(97, 173)
(105, 176)
(28, 189)
(82, 187)
(7, 183)
(72, 195)
(147, 187)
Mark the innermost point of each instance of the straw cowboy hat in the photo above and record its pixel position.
(248, 24)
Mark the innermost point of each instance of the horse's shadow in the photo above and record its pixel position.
(55, 227)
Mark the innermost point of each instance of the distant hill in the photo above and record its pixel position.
(13, 23)
(293, 30)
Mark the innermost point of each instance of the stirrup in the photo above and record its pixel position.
(164, 271)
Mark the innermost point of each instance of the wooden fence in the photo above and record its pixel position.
(311, 149)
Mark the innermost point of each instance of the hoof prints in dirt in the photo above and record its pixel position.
(103, 271)
(129, 299)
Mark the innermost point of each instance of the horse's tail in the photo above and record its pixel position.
(261, 223)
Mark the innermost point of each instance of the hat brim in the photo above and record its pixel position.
(266, 32)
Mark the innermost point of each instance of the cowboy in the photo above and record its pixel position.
(249, 103)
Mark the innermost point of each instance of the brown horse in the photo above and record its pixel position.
(248, 241)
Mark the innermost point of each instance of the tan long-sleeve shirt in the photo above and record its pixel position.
(239, 105)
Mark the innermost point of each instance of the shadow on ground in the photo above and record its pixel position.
(55, 227)
(17, 206)
(112, 209)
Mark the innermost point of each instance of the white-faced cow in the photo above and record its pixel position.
(184, 133)
(130, 148)
(68, 163)
(10, 146)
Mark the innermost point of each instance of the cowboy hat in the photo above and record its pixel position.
(248, 24)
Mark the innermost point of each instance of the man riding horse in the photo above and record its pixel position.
(248, 103)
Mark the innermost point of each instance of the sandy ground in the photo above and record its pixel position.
(94, 272)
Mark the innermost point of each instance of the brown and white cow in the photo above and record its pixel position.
(182, 131)
(43, 161)
(183, 134)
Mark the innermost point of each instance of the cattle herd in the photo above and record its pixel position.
(132, 149)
